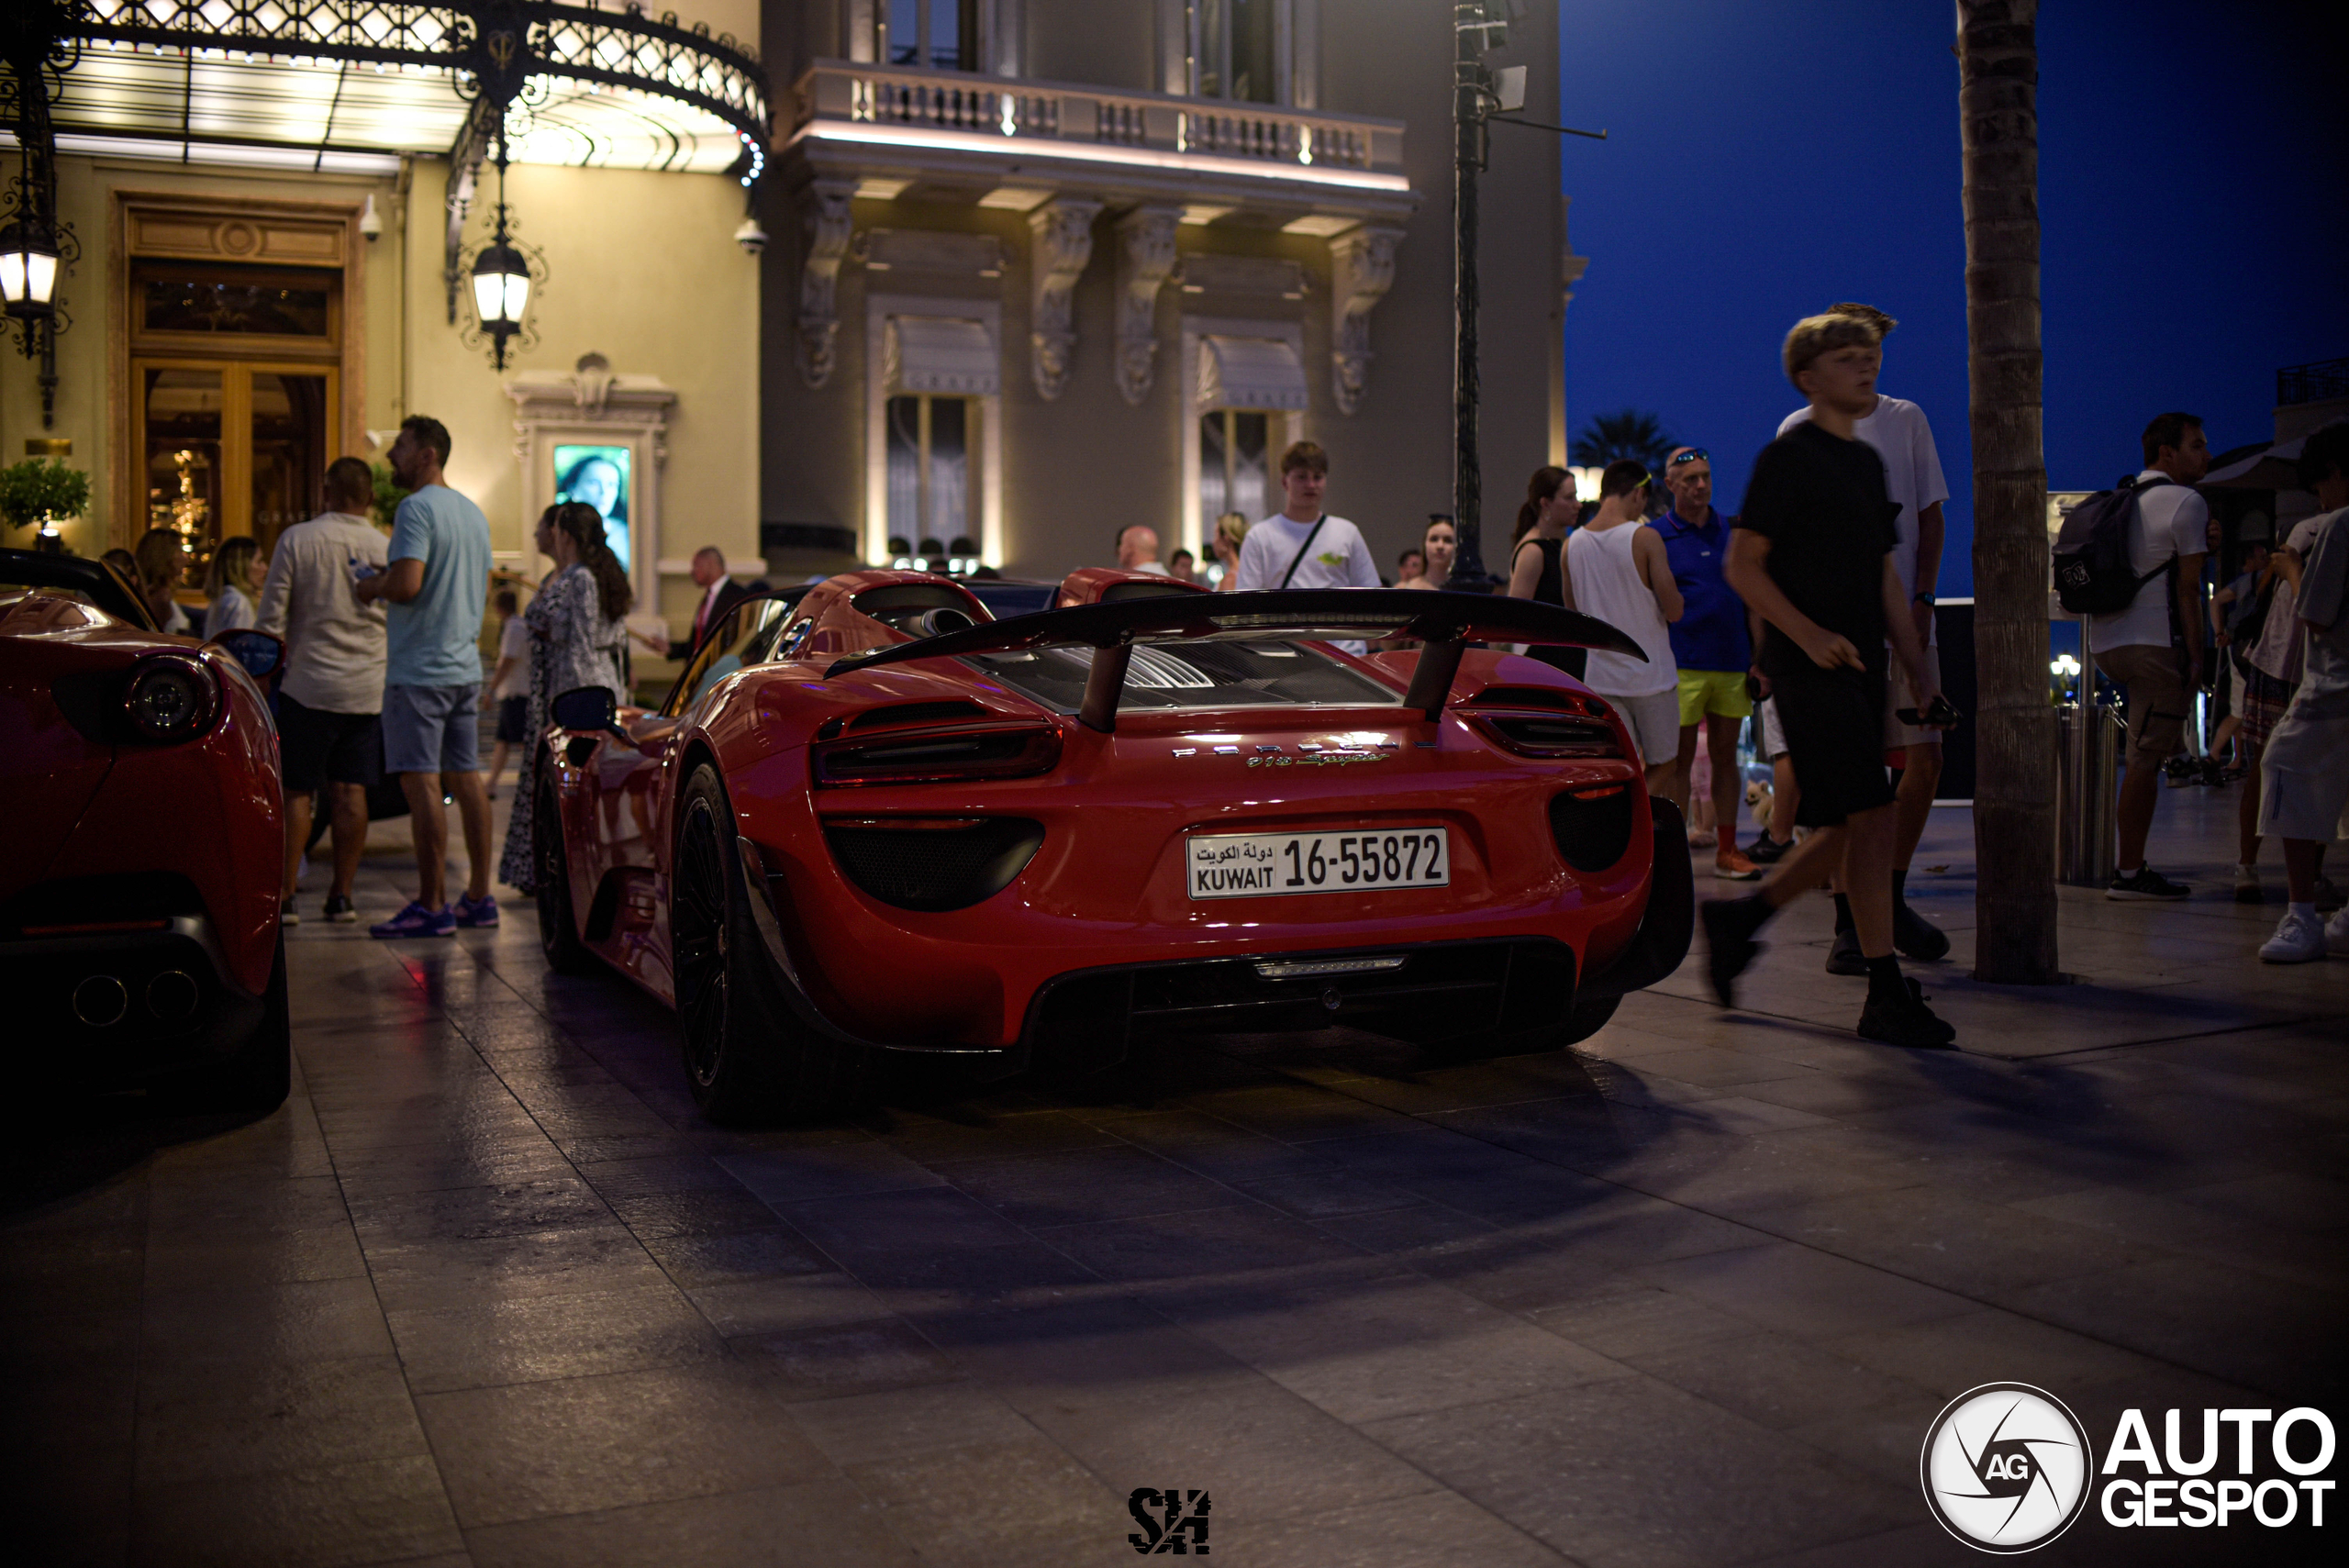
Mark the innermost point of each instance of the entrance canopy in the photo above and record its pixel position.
(280, 83)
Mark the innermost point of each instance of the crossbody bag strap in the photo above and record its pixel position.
(1298, 559)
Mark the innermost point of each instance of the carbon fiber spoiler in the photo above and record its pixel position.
(1445, 623)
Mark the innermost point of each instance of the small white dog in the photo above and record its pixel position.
(1759, 798)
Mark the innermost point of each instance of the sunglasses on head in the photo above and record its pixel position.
(1694, 455)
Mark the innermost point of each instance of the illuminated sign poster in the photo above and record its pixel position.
(598, 476)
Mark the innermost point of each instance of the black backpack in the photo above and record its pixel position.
(2092, 571)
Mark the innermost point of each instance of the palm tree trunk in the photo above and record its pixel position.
(2014, 793)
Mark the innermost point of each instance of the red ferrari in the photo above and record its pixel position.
(873, 817)
(138, 932)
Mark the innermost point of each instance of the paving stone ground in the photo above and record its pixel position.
(486, 1290)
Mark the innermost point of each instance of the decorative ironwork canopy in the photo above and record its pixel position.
(334, 84)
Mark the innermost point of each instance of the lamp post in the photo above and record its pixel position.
(1479, 98)
(1472, 34)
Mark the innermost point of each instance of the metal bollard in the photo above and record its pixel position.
(2087, 770)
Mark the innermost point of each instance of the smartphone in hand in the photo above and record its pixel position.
(1938, 715)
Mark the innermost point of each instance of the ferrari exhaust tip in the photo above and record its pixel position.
(171, 997)
(101, 1000)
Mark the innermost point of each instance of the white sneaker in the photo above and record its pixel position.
(2336, 935)
(2299, 939)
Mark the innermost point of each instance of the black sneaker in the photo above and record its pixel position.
(1729, 925)
(2146, 884)
(1768, 851)
(1843, 956)
(1915, 936)
(287, 915)
(1907, 1022)
(340, 911)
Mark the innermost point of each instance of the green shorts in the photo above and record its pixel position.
(1712, 691)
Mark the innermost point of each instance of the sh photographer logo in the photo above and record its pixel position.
(1180, 1528)
(2006, 1467)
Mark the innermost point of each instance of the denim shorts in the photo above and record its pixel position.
(432, 729)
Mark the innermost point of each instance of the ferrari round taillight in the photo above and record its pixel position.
(171, 698)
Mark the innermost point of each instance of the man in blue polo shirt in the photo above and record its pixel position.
(1711, 643)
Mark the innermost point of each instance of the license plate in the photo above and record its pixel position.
(1249, 865)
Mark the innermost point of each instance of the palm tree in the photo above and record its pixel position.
(1627, 433)
(2014, 790)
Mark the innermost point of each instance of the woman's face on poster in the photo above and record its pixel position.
(595, 482)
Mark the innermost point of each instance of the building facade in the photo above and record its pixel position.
(1033, 270)
(270, 275)
(1046, 268)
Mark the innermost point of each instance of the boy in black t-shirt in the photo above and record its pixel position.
(1811, 555)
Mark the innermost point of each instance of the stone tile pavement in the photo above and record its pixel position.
(486, 1290)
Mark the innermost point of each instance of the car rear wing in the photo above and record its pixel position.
(1445, 623)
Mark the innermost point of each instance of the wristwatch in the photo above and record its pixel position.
(1925, 599)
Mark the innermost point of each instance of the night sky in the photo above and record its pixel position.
(1768, 161)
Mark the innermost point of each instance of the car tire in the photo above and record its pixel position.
(747, 1055)
(558, 918)
(255, 1079)
(1586, 1018)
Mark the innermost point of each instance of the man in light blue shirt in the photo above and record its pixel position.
(435, 588)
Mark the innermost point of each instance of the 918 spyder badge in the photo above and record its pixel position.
(1240, 865)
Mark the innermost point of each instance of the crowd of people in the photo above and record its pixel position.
(382, 676)
(1810, 614)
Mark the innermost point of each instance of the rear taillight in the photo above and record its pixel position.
(171, 697)
(1592, 824)
(934, 756)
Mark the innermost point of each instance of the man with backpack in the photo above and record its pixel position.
(2132, 560)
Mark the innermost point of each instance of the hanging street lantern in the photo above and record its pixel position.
(501, 277)
(28, 267)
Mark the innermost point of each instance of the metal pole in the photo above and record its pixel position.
(1468, 572)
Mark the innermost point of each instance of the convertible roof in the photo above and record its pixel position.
(1364, 613)
(1445, 622)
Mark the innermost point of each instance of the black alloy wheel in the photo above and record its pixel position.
(747, 1056)
(558, 918)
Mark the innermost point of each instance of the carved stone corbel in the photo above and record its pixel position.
(1361, 269)
(1063, 244)
(826, 223)
(1145, 261)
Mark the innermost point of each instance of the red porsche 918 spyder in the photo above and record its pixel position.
(873, 817)
(139, 900)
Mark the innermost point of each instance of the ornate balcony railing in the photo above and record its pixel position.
(2316, 382)
(837, 93)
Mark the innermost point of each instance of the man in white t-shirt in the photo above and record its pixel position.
(1898, 431)
(329, 733)
(2139, 647)
(1300, 546)
(1137, 549)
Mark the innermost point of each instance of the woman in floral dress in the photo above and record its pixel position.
(577, 639)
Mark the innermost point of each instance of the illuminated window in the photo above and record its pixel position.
(1236, 48)
(940, 35)
(1232, 473)
(931, 442)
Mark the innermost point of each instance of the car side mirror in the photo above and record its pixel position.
(590, 709)
(261, 652)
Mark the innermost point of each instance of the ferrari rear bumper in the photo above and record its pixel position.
(116, 1006)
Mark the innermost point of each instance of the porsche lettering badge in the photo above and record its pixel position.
(1331, 758)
